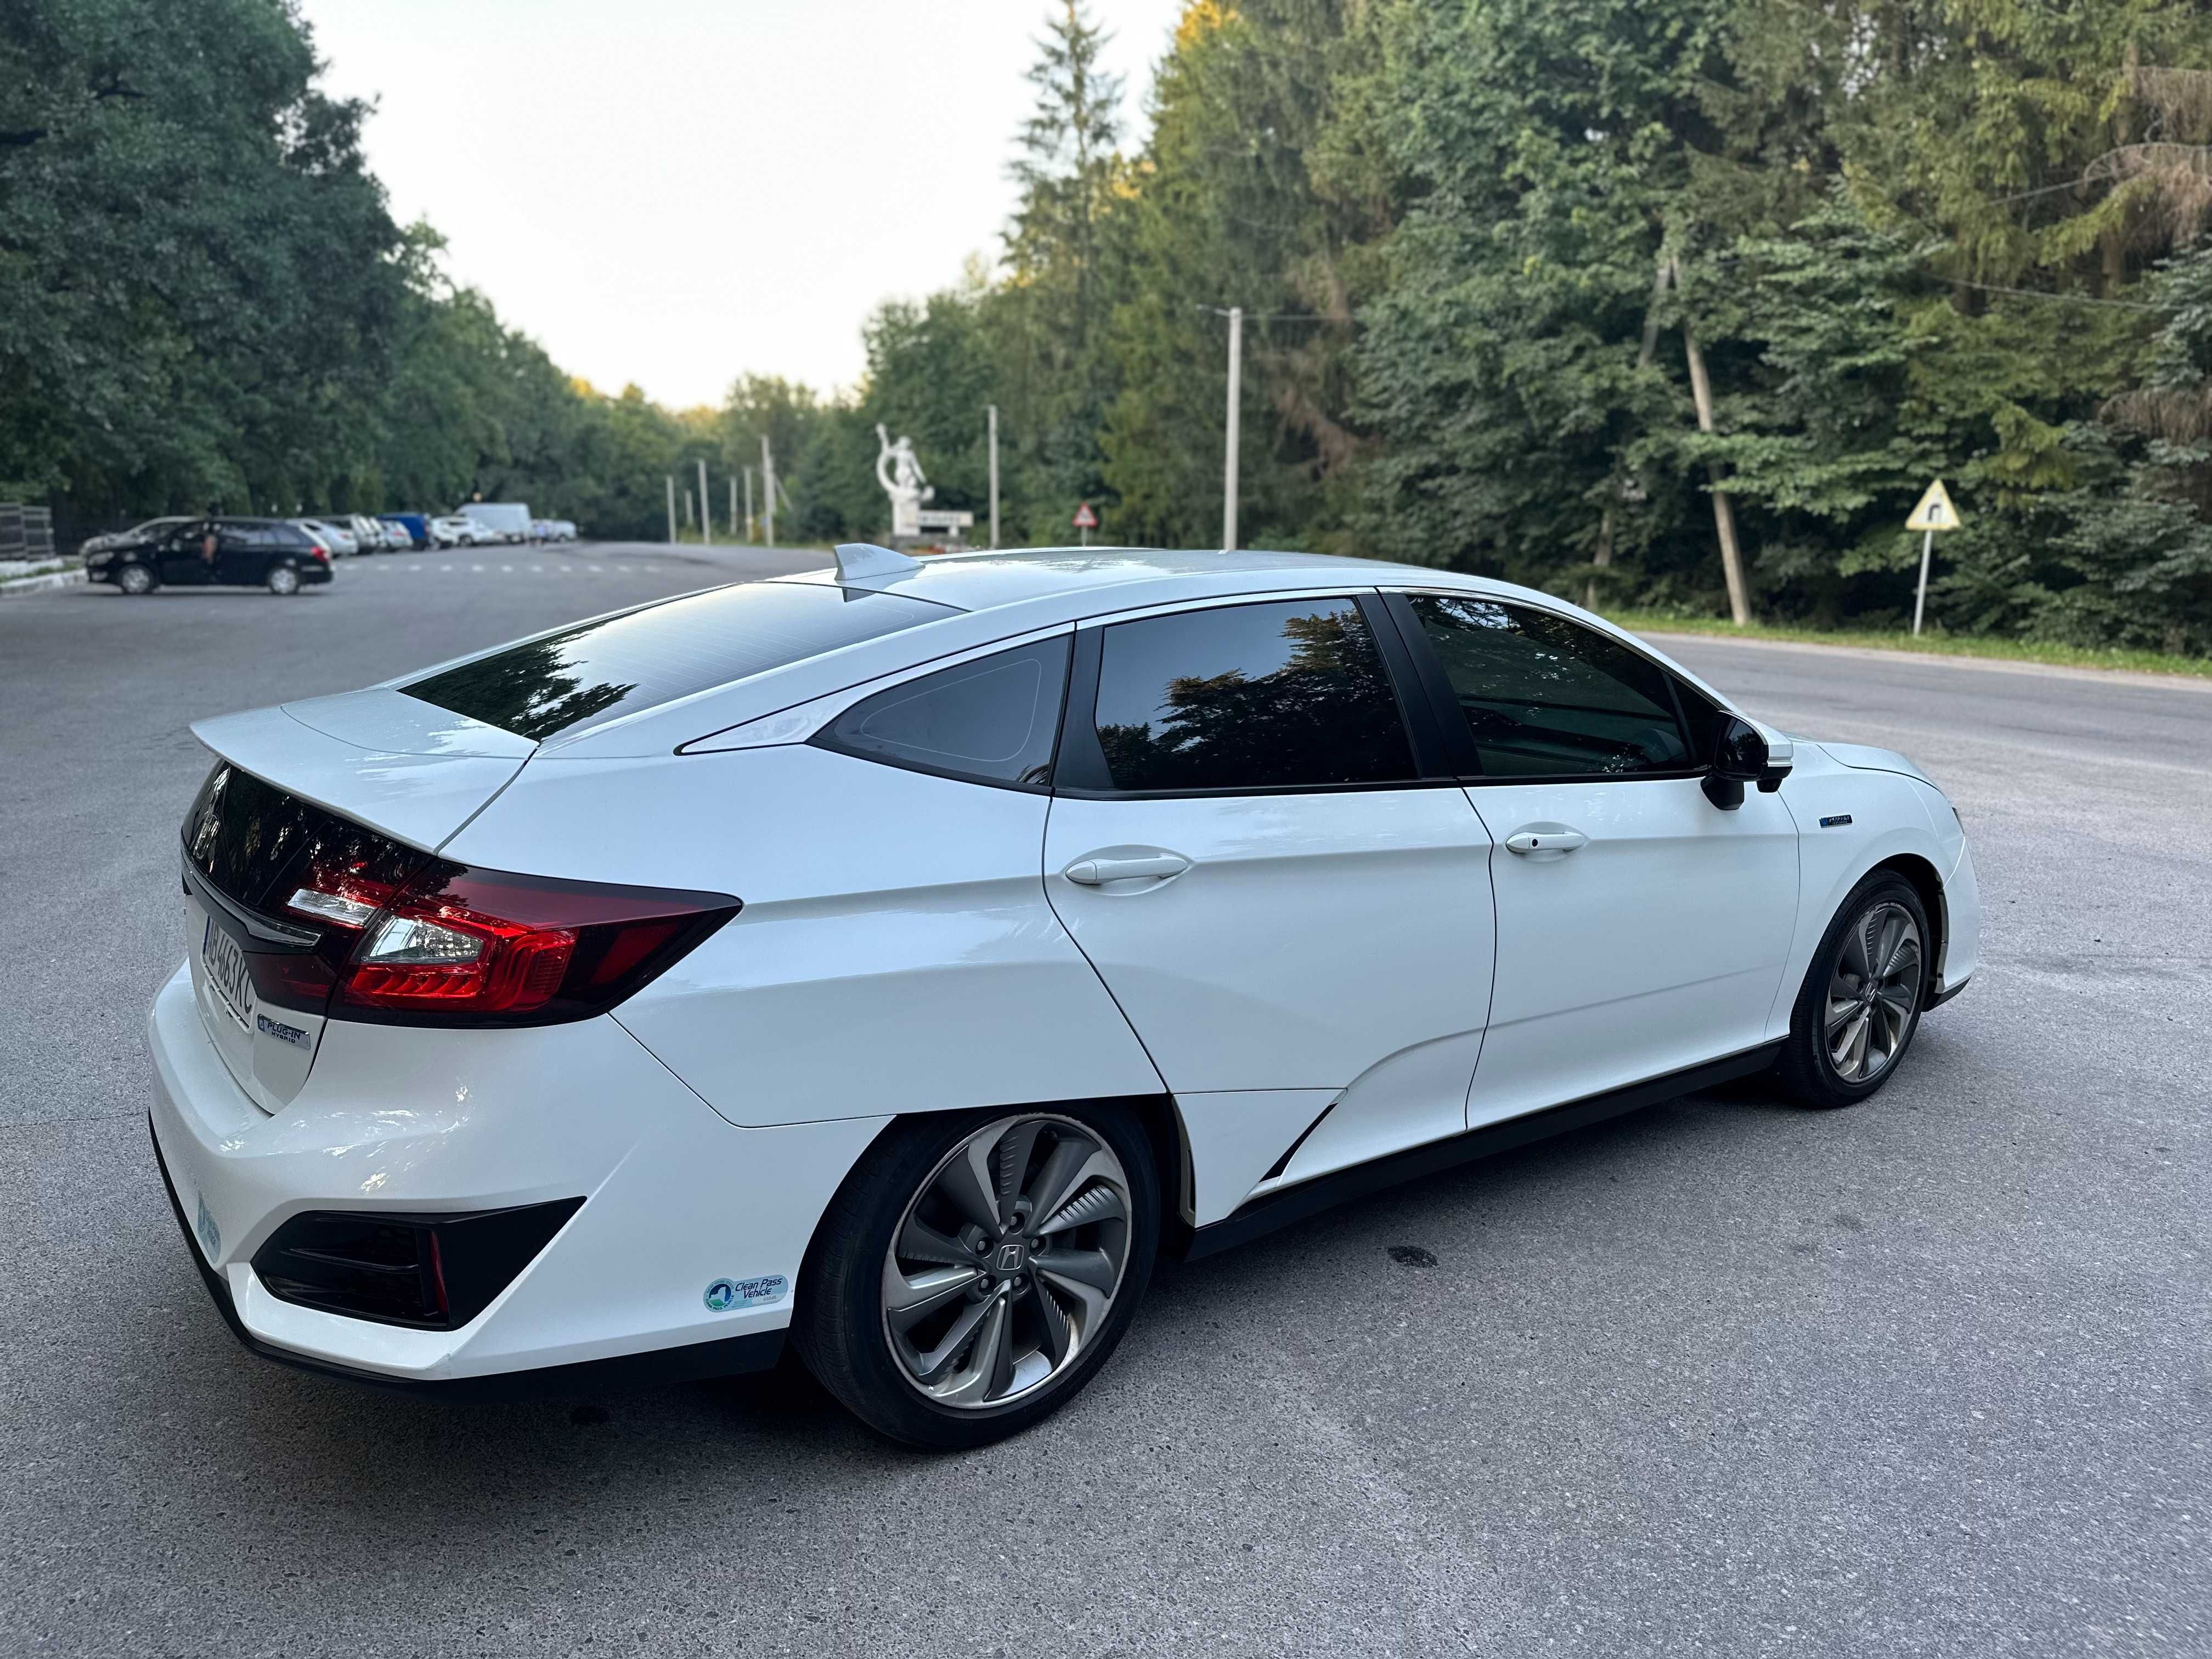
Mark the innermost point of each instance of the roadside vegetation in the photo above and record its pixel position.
(1485, 250)
(1992, 647)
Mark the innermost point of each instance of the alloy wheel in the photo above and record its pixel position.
(1007, 1262)
(1873, 990)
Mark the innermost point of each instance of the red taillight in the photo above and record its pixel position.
(464, 947)
(321, 552)
(429, 954)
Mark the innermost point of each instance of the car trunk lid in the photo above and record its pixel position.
(372, 782)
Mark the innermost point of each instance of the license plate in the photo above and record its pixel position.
(222, 962)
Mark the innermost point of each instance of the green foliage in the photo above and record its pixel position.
(198, 286)
(1478, 245)
(203, 299)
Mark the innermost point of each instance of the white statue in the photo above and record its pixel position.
(902, 479)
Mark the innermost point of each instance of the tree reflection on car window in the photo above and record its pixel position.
(1547, 698)
(1251, 697)
(650, 656)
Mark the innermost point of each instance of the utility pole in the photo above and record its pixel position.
(995, 475)
(672, 506)
(768, 485)
(1229, 459)
(706, 510)
(1701, 393)
(687, 507)
(752, 529)
(733, 505)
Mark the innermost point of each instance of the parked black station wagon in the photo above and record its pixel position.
(215, 552)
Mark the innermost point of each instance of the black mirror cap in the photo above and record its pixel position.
(1741, 753)
(1741, 757)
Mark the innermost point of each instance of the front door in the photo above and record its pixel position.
(183, 557)
(1641, 929)
(1297, 927)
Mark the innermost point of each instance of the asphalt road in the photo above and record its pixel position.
(1930, 1377)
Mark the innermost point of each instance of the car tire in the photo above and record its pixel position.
(1860, 1003)
(940, 1331)
(282, 580)
(136, 580)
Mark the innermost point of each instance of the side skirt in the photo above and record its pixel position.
(1280, 1209)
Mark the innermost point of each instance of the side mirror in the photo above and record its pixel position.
(1741, 757)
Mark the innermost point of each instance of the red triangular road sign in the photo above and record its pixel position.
(1085, 518)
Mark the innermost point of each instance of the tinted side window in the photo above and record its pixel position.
(1547, 698)
(992, 719)
(1249, 696)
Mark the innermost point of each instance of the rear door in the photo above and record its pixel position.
(1296, 922)
(1641, 929)
(243, 553)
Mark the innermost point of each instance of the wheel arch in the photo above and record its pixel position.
(1157, 1115)
(1926, 881)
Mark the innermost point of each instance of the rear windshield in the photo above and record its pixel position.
(599, 669)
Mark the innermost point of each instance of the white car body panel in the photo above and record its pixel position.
(1657, 947)
(1893, 814)
(1338, 975)
(1334, 945)
(1313, 937)
(418, 799)
(396, 1119)
(895, 946)
(1235, 1137)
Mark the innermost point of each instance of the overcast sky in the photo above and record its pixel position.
(677, 192)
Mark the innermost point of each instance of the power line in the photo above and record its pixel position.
(2044, 189)
(2042, 294)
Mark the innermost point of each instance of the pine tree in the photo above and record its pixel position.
(1061, 264)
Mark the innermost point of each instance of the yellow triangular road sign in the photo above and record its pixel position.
(1934, 511)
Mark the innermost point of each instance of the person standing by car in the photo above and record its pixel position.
(209, 542)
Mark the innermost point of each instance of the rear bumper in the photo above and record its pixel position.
(675, 1199)
(757, 1352)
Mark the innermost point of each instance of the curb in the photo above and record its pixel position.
(52, 580)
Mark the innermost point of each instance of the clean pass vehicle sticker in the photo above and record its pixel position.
(724, 1294)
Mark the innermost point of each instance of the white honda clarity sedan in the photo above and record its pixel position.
(896, 959)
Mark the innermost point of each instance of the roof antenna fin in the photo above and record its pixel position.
(863, 564)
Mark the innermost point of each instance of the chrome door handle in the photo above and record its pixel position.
(1546, 842)
(1097, 871)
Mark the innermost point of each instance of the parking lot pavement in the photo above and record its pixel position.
(1928, 1377)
